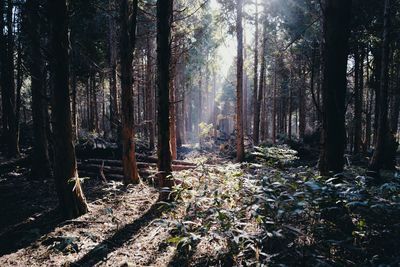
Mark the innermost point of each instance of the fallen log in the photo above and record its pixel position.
(140, 159)
(119, 169)
(111, 176)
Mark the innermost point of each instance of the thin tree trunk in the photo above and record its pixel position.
(150, 94)
(71, 198)
(127, 42)
(385, 147)
(114, 114)
(256, 102)
(172, 114)
(358, 101)
(164, 21)
(274, 111)
(8, 84)
(239, 86)
(41, 161)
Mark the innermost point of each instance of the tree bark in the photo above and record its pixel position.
(385, 146)
(10, 127)
(358, 101)
(41, 161)
(335, 52)
(164, 21)
(256, 102)
(150, 94)
(239, 80)
(114, 114)
(127, 43)
(70, 194)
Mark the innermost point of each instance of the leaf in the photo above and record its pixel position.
(175, 239)
(313, 185)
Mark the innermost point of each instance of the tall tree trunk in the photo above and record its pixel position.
(172, 114)
(256, 102)
(150, 93)
(302, 101)
(19, 81)
(290, 105)
(10, 129)
(95, 110)
(3, 69)
(239, 86)
(114, 114)
(358, 100)
(71, 198)
(274, 111)
(41, 161)
(74, 110)
(164, 21)
(335, 52)
(127, 43)
(385, 147)
(395, 112)
(368, 119)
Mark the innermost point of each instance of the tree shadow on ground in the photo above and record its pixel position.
(23, 234)
(100, 252)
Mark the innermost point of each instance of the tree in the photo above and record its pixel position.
(239, 81)
(127, 45)
(10, 123)
(71, 198)
(41, 161)
(164, 163)
(256, 103)
(385, 145)
(336, 22)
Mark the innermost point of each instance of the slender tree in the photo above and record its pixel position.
(385, 147)
(10, 123)
(71, 198)
(41, 162)
(239, 85)
(256, 103)
(164, 163)
(127, 43)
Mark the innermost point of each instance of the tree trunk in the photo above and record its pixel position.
(172, 114)
(164, 20)
(71, 198)
(127, 43)
(385, 146)
(394, 117)
(114, 114)
(150, 93)
(10, 127)
(239, 86)
(256, 102)
(274, 111)
(358, 101)
(41, 161)
(302, 102)
(335, 52)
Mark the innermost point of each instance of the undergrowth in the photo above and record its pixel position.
(257, 213)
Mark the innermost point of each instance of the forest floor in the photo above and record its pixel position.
(274, 209)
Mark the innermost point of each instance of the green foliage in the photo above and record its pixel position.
(281, 154)
(290, 216)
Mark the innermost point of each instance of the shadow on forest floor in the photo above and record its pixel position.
(23, 234)
(31, 212)
(100, 252)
